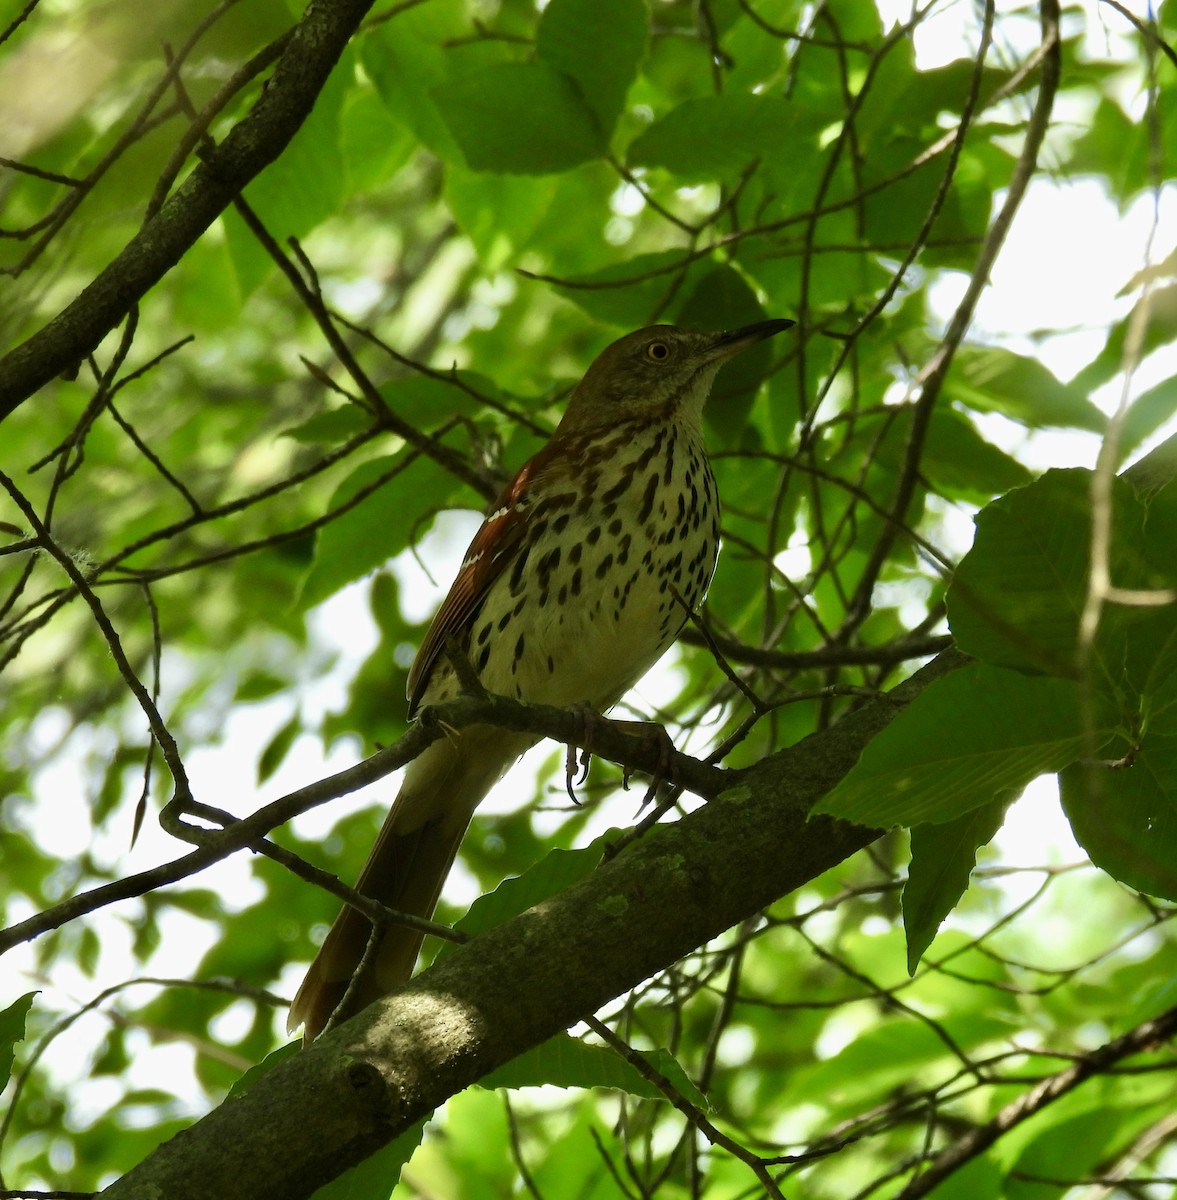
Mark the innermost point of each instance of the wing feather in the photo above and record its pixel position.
(493, 548)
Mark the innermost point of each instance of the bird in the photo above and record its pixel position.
(578, 581)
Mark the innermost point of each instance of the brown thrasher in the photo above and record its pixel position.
(575, 585)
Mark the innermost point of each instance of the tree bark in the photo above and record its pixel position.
(324, 1110)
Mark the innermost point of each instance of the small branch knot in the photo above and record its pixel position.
(368, 1086)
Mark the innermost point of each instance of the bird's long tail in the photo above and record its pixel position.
(405, 871)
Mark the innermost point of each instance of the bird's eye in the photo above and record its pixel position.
(658, 352)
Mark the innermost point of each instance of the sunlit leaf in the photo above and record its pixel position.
(942, 859)
(977, 734)
(993, 379)
(12, 1031)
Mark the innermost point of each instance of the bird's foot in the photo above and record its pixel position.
(650, 733)
(577, 761)
(658, 741)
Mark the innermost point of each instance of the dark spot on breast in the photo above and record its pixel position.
(643, 460)
(620, 487)
(546, 566)
(518, 571)
(648, 498)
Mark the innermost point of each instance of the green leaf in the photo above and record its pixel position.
(598, 44)
(248, 1078)
(565, 1061)
(12, 1030)
(373, 145)
(963, 465)
(1158, 692)
(367, 535)
(423, 400)
(405, 62)
(498, 213)
(1017, 597)
(378, 1174)
(278, 747)
(1160, 329)
(331, 425)
(942, 859)
(1072, 1141)
(714, 137)
(1125, 817)
(519, 118)
(554, 872)
(299, 190)
(976, 735)
(878, 1059)
(1115, 146)
(993, 379)
(259, 685)
(1148, 412)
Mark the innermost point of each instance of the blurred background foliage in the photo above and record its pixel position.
(486, 193)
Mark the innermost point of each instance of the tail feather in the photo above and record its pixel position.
(405, 871)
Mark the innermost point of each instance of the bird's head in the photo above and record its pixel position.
(661, 371)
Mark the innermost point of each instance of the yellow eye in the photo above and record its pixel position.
(658, 352)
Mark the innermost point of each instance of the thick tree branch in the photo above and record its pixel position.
(530, 978)
(282, 106)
